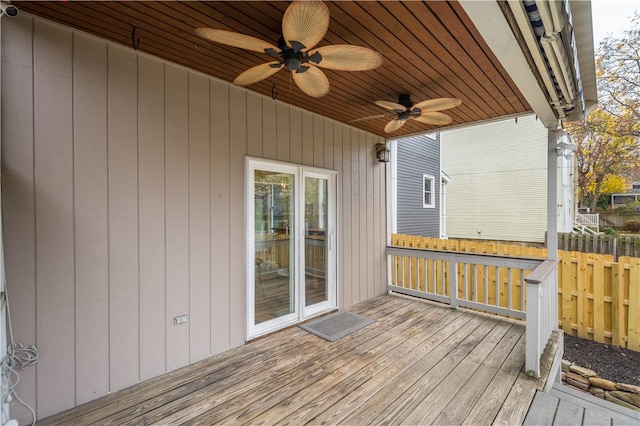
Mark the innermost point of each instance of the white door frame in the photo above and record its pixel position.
(331, 272)
(300, 312)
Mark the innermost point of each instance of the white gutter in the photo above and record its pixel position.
(522, 19)
(554, 20)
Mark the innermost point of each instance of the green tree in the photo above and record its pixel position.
(609, 139)
(618, 78)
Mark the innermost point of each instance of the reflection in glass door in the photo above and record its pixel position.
(291, 254)
(317, 236)
(274, 230)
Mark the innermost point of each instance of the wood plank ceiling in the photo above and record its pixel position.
(431, 49)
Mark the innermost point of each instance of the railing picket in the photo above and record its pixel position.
(522, 290)
(509, 295)
(497, 286)
(442, 278)
(465, 292)
(475, 282)
(433, 276)
(453, 290)
(486, 285)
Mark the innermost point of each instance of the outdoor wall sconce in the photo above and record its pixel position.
(382, 153)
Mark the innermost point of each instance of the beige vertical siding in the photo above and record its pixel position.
(199, 219)
(177, 213)
(122, 187)
(220, 216)
(53, 176)
(151, 186)
(90, 174)
(18, 186)
(123, 181)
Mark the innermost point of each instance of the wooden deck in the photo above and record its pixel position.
(418, 363)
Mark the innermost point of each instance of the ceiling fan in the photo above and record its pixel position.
(426, 112)
(304, 25)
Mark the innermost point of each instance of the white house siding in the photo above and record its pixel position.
(123, 204)
(499, 180)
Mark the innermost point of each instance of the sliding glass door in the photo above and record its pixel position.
(291, 254)
(318, 244)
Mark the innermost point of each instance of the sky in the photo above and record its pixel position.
(611, 17)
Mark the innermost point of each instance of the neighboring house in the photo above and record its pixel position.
(496, 195)
(148, 203)
(416, 186)
(622, 199)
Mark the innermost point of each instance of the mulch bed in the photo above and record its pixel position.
(609, 362)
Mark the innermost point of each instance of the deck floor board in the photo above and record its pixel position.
(419, 362)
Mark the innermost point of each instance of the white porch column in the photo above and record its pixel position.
(552, 194)
(552, 222)
(542, 283)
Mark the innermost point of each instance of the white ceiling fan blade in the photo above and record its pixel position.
(257, 73)
(305, 22)
(391, 106)
(372, 117)
(313, 81)
(434, 117)
(437, 104)
(394, 125)
(234, 39)
(346, 57)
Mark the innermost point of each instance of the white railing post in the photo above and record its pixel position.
(533, 332)
(542, 313)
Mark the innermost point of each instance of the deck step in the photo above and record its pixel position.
(563, 405)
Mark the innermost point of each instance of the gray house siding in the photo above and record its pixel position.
(417, 156)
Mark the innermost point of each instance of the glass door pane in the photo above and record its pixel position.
(274, 232)
(315, 240)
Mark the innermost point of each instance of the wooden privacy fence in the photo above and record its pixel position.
(617, 219)
(615, 245)
(598, 298)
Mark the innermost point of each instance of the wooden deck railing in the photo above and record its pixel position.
(599, 296)
(488, 283)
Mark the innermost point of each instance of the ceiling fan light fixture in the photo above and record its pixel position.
(304, 25)
(405, 115)
(292, 61)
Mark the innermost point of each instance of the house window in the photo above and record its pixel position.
(427, 191)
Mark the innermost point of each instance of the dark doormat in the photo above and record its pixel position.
(336, 325)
